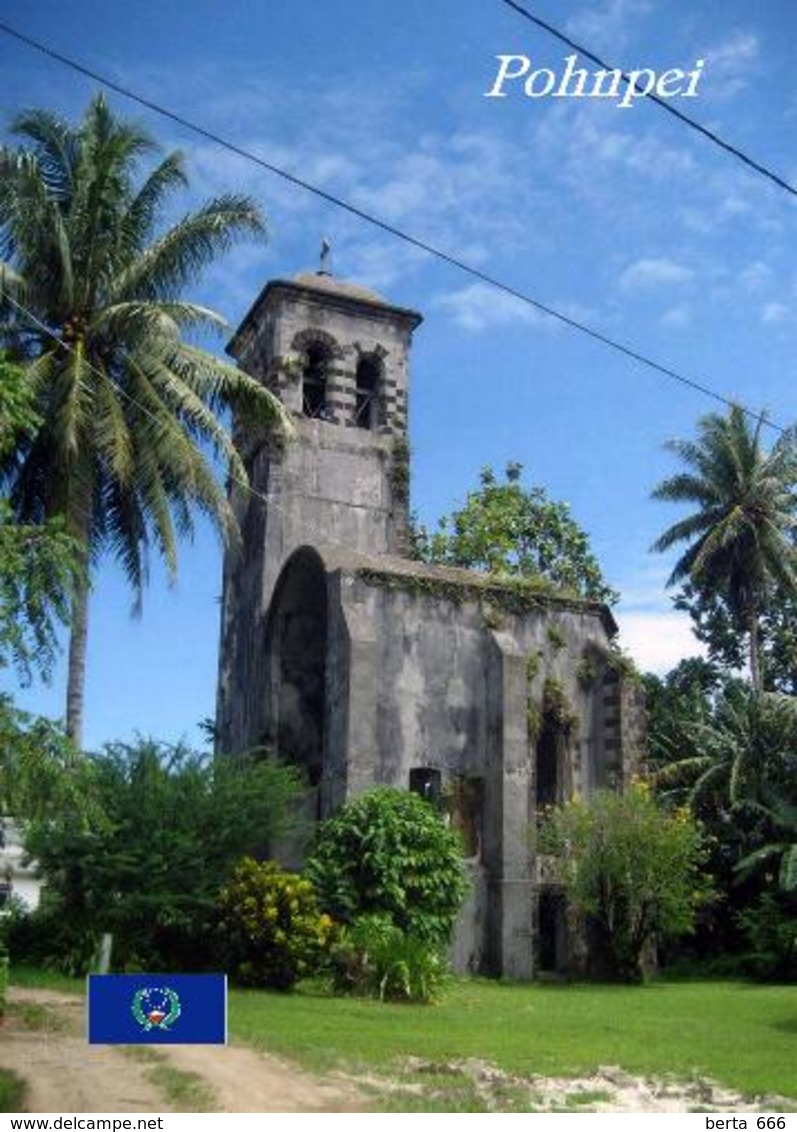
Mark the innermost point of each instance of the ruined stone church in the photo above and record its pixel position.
(341, 652)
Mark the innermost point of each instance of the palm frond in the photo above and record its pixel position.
(179, 257)
(138, 222)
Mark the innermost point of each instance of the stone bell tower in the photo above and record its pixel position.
(336, 355)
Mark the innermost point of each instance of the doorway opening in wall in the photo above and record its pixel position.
(296, 649)
(551, 935)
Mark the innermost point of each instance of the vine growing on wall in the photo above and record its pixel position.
(556, 707)
(512, 595)
(400, 470)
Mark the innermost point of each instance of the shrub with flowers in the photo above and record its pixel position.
(631, 871)
(272, 930)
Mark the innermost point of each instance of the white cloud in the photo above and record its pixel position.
(737, 50)
(580, 139)
(730, 64)
(658, 641)
(677, 316)
(755, 277)
(775, 312)
(478, 306)
(378, 263)
(607, 26)
(729, 208)
(655, 634)
(450, 189)
(650, 273)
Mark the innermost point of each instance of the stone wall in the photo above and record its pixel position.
(334, 482)
(375, 669)
(444, 679)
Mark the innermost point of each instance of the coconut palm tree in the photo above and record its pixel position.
(737, 754)
(741, 537)
(91, 304)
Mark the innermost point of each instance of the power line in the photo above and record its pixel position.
(383, 225)
(690, 122)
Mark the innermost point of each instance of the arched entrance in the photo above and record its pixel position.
(297, 647)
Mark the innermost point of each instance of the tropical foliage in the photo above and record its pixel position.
(390, 852)
(506, 528)
(781, 850)
(630, 871)
(272, 930)
(768, 928)
(731, 754)
(742, 535)
(42, 775)
(715, 624)
(739, 753)
(376, 959)
(38, 562)
(148, 862)
(93, 309)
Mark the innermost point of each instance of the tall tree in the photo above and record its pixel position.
(739, 751)
(38, 562)
(715, 624)
(507, 528)
(741, 535)
(92, 308)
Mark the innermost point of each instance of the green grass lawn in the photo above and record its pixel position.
(23, 976)
(741, 1034)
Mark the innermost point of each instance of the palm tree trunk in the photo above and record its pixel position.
(76, 679)
(756, 675)
(79, 630)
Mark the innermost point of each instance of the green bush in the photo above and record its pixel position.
(630, 871)
(49, 939)
(770, 928)
(389, 852)
(376, 959)
(147, 865)
(271, 928)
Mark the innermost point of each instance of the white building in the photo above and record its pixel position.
(18, 876)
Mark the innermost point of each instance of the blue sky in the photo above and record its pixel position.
(623, 219)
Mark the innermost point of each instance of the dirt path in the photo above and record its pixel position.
(43, 1041)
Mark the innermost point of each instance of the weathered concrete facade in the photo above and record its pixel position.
(369, 668)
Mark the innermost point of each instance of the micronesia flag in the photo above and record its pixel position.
(157, 1009)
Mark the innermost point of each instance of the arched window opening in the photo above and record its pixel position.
(369, 371)
(314, 382)
(552, 762)
(548, 771)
